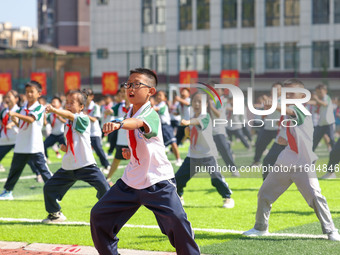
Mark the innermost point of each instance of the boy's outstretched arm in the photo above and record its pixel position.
(128, 124)
(29, 118)
(62, 113)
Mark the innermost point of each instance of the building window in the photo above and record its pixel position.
(102, 2)
(203, 14)
(102, 53)
(320, 11)
(186, 58)
(336, 11)
(248, 13)
(161, 60)
(229, 57)
(272, 52)
(292, 12)
(147, 16)
(247, 56)
(185, 14)
(148, 57)
(272, 13)
(291, 56)
(337, 54)
(229, 15)
(202, 58)
(321, 55)
(160, 15)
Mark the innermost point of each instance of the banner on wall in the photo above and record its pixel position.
(109, 83)
(71, 81)
(230, 77)
(41, 78)
(5, 82)
(188, 77)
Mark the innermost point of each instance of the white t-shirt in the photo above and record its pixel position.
(326, 112)
(81, 144)
(57, 126)
(29, 138)
(163, 113)
(219, 129)
(202, 144)
(184, 110)
(93, 110)
(10, 136)
(303, 137)
(119, 113)
(154, 165)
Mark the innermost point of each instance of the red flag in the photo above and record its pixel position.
(71, 81)
(109, 83)
(41, 78)
(5, 83)
(230, 77)
(188, 77)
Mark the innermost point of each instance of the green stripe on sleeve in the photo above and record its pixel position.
(205, 121)
(82, 123)
(152, 120)
(300, 116)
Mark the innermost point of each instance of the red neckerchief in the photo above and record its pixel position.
(133, 144)
(89, 111)
(193, 137)
(4, 123)
(125, 110)
(69, 138)
(27, 111)
(291, 139)
(318, 109)
(54, 119)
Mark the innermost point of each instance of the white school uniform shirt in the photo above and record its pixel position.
(219, 129)
(235, 121)
(10, 137)
(58, 127)
(106, 118)
(93, 110)
(184, 110)
(202, 144)
(174, 113)
(303, 136)
(29, 138)
(163, 113)
(326, 112)
(81, 129)
(119, 114)
(154, 165)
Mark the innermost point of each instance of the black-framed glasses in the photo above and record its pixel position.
(135, 85)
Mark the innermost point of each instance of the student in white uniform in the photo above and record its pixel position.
(147, 180)
(8, 129)
(78, 162)
(57, 124)
(297, 153)
(202, 153)
(29, 144)
(93, 111)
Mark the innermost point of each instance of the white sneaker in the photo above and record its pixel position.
(106, 170)
(334, 236)
(178, 162)
(2, 169)
(328, 176)
(255, 232)
(228, 203)
(6, 195)
(39, 179)
(54, 218)
(235, 173)
(48, 161)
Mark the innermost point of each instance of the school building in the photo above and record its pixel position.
(271, 39)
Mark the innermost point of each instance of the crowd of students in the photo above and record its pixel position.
(139, 123)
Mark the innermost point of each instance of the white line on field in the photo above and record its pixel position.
(21, 178)
(210, 230)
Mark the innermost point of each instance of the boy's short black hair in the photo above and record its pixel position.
(82, 95)
(57, 98)
(149, 73)
(321, 86)
(293, 81)
(34, 84)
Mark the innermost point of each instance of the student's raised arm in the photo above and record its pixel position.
(62, 113)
